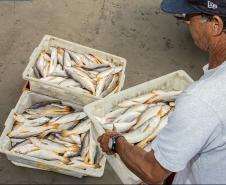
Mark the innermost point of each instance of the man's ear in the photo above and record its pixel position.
(217, 25)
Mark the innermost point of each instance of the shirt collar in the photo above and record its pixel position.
(207, 70)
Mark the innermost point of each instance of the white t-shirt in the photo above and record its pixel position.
(193, 144)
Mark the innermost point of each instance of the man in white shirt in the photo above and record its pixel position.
(193, 144)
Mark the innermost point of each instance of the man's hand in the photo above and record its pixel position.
(104, 140)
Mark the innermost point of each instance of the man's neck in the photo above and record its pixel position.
(217, 54)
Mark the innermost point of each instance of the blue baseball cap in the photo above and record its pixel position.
(211, 7)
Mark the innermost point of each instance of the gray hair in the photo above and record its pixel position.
(207, 18)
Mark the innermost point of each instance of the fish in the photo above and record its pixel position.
(92, 150)
(48, 155)
(78, 58)
(53, 61)
(138, 108)
(48, 145)
(112, 86)
(26, 122)
(60, 56)
(148, 114)
(164, 110)
(165, 96)
(142, 132)
(155, 132)
(53, 79)
(85, 146)
(75, 138)
(127, 117)
(41, 65)
(143, 98)
(79, 129)
(111, 116)
(82, 78)
(94, 66)
(100, 86)
(67, 59)
(68, 83)
(120, 126)
(110, 71)
(24, 149)
(24, 132)
(128, 103)
(51, 110)
(58, 71)
(80, 164)
(36, 72)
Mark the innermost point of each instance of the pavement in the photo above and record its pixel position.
(153, 43)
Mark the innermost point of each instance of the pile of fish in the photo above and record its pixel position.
(55, 132)
(141, 118)
(85, 73)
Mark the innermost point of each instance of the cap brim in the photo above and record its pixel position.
(178, 7)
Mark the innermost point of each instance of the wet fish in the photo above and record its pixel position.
(67, 59)
(48, 155)
(127, 117)
(69, 82)
(82, 78)
(108, 72)
(79, 129)
(27, 122)
(143, 132)
(24, 149)
(120, 126)
(155, 132)
(53, 61)
(148, 114)
(24, 132)
(60, 56)
(85, 145)
(111, 88)
(164, 96)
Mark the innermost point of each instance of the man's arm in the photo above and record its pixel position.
(140, 162)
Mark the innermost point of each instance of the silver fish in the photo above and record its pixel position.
(92, 150)
(27, 122)
(67, 59)
(79, 129)
(24, 149)
(127, 117)
(60, 56)
(80, 164)
(48, 155)
(111, 71)
(143, 132)
(69, 82)
(112, 87)
(119, 127)
(100, 86)
(58, 71)
(138, 108)
(53, 61)
(148, 114)
(41, 65)
(48, 145)
(85, 146)
(24, 132)
(82, 78)
(164, 96)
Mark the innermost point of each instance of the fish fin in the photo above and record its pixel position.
(65, 133)
(114, 128)
(55, 125)
(66, 160)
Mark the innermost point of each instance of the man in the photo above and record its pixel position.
(193, 144)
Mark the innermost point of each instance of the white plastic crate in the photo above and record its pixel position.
(178, 80)
(26, 100)
(65, 93)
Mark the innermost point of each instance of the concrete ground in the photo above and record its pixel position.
(153, 43)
